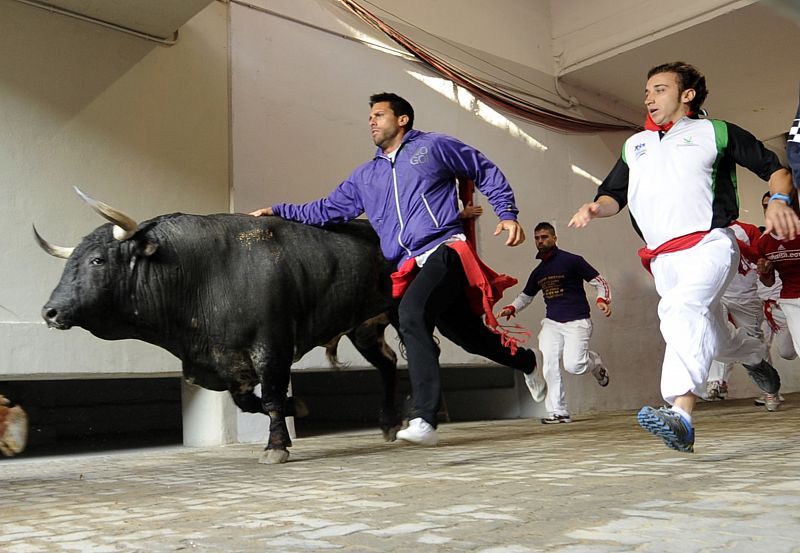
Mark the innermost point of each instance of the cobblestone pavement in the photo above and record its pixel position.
(599, 485)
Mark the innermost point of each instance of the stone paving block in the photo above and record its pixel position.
(599, 485)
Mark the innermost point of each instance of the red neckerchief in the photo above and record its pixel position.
(670, 246)
(651, 125)
(484, 287)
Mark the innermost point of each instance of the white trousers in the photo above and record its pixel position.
(690, 283)
(568, 342)
(747, 314)
(782, 338)
(791, 309)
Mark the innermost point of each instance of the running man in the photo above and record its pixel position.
(678, 179)
(567, 327)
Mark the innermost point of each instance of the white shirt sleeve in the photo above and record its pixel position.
(521, 302)
(603, 289)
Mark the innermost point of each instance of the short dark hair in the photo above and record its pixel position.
(400, 106)
(544, 225)
(688, 77)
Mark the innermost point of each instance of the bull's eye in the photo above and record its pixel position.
(97, 261)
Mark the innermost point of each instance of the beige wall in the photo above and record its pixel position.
(300, 107)
(587, 32)
(299, 104)
(141, 126)
(145, 128)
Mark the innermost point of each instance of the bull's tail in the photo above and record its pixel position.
(331, 353)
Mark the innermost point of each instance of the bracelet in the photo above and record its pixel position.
(783, 197)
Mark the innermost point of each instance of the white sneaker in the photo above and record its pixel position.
(536, 385)
(419, 432)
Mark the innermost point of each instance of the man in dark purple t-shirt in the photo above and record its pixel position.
(567, 326)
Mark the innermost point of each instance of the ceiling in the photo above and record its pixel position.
(750, 59)
(155, 18)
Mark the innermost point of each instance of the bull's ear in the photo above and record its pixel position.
(148, 249)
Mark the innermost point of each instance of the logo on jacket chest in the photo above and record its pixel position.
(420, 156)
(639, 150)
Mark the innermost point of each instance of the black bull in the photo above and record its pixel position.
(237, 298)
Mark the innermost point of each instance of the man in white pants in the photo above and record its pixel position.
(567, 328)
(775, 328)
(678, 179)
(744, 309)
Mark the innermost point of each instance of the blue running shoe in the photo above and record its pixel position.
(668, 425)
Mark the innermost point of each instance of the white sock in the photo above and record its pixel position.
(682, 413)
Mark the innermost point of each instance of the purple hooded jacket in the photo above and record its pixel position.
(413, 203)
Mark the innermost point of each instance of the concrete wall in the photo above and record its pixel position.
(587, 32)
(299, 98)
(141, 126)
(300, 109)
(146, 128)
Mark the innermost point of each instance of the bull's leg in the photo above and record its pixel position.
(251, 403)
(247, 402)
(274, 369)
(368, 339)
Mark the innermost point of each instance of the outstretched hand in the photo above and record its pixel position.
(508, 312)
(781, 220)
(516, 235)
(585, 213)
(262, 212)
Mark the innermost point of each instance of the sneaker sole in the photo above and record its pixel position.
(559, 421)
(417, 441)
(656, 426)
(760, 402)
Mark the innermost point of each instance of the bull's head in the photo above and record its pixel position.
(95, 270)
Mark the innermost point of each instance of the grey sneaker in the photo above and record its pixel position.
(556, 419)
(668, 425)
(765, 376)
(715, 391)
(419, 432)
(772, 402)
(601, 375)
(761, 400)
(536, 384)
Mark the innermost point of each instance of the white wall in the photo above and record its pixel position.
(514, 30)
(141, 126)
(300, 110)
(587, 32)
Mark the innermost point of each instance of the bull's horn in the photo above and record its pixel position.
(124, 228)
(55, 251)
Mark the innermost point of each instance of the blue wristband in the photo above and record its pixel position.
(783, 197)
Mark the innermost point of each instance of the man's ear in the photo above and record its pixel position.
(402, 120)
(688, 95)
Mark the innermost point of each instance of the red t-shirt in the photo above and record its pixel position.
(785, 258)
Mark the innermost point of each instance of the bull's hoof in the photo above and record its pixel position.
(274, 457)
(13, 430)
(390, 434)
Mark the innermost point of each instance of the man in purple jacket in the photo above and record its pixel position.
(408, 191)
